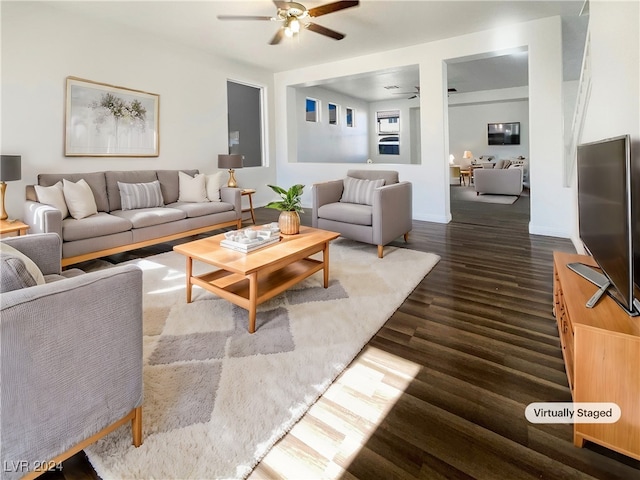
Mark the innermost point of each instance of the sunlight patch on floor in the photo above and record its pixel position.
(334, 430)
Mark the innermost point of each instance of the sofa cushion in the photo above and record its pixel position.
(169, 183)
(132, 176)
(359, 190)
(192, 189)
(147, 217)
(53, 196)
(79, 198)
(97, 225)
(347, 212)
(17, 270)
(96, 182)
(140, 195)
(202, 208)
(214, 183)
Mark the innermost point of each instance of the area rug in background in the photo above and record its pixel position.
(217, 398)
(469, 194)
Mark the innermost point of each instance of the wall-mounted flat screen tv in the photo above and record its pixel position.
(504, 133)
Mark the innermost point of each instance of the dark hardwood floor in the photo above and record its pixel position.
(440, 391)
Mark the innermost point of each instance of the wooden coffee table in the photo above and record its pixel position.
(249, 279)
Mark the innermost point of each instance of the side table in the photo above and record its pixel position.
(13, 227)
(248, 192)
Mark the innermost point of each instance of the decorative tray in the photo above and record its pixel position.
(251, 238)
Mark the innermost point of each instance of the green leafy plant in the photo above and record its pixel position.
(290, 202)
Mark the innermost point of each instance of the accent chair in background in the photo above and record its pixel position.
(370, 206)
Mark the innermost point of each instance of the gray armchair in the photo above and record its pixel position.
(498, 181)
(386, 216)
(71, 359)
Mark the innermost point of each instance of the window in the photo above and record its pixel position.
(246, 122)
(388, 122)
(350, 117)
(333, 114)
(312, 110)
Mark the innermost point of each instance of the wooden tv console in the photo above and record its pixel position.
(601, 349)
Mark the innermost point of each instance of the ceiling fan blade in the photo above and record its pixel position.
(277, 37)
(243, 17)
(314, 27)
(332, 7)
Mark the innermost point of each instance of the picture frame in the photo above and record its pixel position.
(103, 120)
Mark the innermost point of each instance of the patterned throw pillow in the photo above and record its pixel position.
(360, 191)
(140, 195)
(17, 270)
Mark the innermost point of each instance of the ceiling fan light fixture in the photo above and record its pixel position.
(294, 25)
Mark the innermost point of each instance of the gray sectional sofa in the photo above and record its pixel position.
(112, 229)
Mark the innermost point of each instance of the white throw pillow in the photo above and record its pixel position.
(54, 196)
(192, 189)
(30, 265)
(79, 198)
(214, 183)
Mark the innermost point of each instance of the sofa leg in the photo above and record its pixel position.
(136, 427)
(406, 237)
(380, 250)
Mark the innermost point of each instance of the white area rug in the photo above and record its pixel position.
(217, 398)
(469, 194)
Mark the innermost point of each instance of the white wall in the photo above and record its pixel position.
(613, 106)
(468, 129)
(550, 210)
(322, 142)
(41, 46)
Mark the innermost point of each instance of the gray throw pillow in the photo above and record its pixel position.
(360, 191)
(140, 195)
(14, 274)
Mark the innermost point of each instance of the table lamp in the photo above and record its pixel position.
(467, 155)
(10, 170)
(231, 162)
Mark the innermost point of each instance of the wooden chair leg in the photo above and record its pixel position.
(380, 250)
(136, 427)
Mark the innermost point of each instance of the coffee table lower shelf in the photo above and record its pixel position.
(238, 289)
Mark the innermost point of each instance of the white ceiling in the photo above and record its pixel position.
(374, 25)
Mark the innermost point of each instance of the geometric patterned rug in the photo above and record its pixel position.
(217, 398)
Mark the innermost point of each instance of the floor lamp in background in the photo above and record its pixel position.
(10, 170)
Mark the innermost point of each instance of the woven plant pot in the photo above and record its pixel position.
(289, 223)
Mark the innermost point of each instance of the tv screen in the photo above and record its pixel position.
(605, 212)
(504, 133)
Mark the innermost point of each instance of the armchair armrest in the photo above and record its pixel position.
(45, 249)
(392, 212)
(42, 218)
(71, 361)
(324, 193)
(234, 197)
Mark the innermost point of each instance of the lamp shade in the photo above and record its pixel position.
(10, 168)
(467, 154)
(230, 161)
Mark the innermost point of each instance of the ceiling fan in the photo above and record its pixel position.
(293, 17)
(415, 94)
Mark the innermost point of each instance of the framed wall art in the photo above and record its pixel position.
(107, 121)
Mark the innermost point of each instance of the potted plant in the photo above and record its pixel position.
(289, 206)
